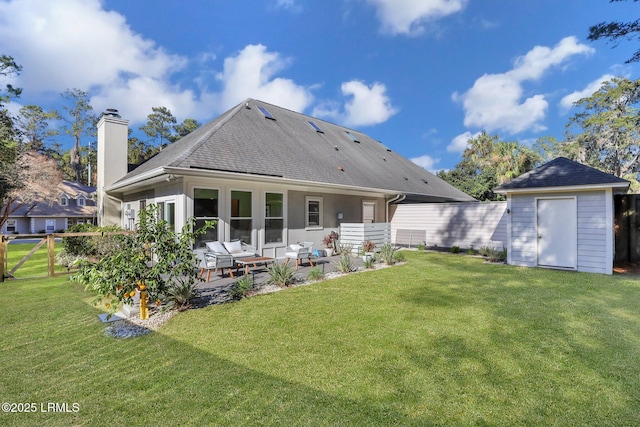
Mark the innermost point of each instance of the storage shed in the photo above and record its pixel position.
(561, 215)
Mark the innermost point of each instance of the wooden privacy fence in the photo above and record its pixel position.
(49, 240)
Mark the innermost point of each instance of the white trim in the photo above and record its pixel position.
(565, 188)
(320, 201)
(263, 229)
(610, 236)
(509, 213)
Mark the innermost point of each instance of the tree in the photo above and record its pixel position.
(616, 30)
(488, 162)
(80, 122)
(33, 177)
(139, 151)
(158, 126)
(185, 128)
(607, 130)
(8, 67)
(33, 123)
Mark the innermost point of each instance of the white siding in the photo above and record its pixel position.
(592, 232)
(454, 224)
(523, 247)
(594, 225)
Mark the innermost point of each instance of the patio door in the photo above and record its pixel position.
(557, 232)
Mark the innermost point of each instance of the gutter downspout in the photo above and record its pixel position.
(397, 198)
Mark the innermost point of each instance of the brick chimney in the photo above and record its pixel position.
(113, 134)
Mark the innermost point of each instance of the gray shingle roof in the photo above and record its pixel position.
(242, 140)
(53, 209)
(562, 172)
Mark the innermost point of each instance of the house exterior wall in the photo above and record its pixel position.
(181, 192)
(452, 224)
(594, 211)
(22, 226)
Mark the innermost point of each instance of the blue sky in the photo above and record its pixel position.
(422, 76)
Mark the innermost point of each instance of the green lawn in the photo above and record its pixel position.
(34, 266)
(442, 340)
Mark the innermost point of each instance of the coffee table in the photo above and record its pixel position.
(246, 262)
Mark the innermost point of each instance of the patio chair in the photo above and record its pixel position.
(299, 252)
(214, 261)
(236, 248)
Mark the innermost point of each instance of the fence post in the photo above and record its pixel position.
(3, 254)
(52, 255)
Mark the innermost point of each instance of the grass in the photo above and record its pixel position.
(34, 266)
(442, 340)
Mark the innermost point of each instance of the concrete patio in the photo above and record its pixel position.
(216, 290)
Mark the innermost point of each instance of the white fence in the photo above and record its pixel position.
(450, 224)
(355, 234)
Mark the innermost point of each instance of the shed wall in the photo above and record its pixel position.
(594, 225)
(453, 224)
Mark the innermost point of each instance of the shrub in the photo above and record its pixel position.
(345, 262)
(315, 274)
(387, 253)
(180, 294)
(68, 260)
(455, 249)
(492, 254)
(399, 256)
(242, 287)
(421, 247)
(281, 274)
(89, 245)
(369, 262)
(368, 246)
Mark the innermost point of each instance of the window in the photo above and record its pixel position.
(167, 212)
(316, 127)
(50, 226)
(266, 113)
(274, 218)
(64, 201)
(313, 212)
(205, 208)
(11, 225)
(353, 137)
(241, 221)
(81, 201)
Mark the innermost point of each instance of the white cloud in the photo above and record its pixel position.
(366, 106)
(75, 43)
(459, 143)
(495, 102)
(425, 161)
(410, 16)
(251, 73)
(291, 5)
(67, 44)
(567, 101)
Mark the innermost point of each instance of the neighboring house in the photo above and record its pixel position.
(268, 175)
(74, 205)
(561, 215)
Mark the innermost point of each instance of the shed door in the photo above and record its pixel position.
(557, 233)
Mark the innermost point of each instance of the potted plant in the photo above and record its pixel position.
(330, 242)
(367, 250)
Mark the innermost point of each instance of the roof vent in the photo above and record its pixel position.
(336, 147)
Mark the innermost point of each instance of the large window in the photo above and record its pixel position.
(205, 208)
(274, 218)
(241, 218)
(313, 212)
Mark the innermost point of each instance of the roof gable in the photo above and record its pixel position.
(562, 172)
(244, 140)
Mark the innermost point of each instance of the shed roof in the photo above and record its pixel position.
(285, 144)
(562, 172)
